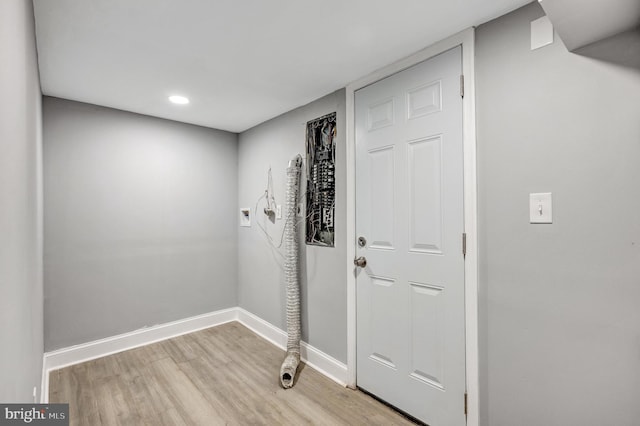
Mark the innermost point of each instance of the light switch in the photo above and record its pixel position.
(540, 208)
(541, 33)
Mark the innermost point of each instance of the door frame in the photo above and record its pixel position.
(465, 39)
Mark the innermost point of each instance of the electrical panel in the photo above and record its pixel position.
(321, 180)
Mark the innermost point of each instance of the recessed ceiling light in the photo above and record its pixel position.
(180, 100)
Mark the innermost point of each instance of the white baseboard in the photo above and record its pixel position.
(54, 360)
(315, 358)
(64, 357)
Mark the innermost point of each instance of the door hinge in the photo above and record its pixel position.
(464, 244)
(465, 403)
(461, 86)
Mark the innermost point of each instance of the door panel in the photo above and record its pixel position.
(424, 100)
(384, 342)
(409, 207)
(382, 183)
(425, 199)
(427, 334)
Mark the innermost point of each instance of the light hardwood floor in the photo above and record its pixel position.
(221, 375)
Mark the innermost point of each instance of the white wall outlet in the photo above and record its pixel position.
(245, 217)
(278, 211)
(540, 208)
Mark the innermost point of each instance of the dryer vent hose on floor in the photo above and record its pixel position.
(291, 275)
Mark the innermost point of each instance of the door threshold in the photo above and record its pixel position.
(394, 408)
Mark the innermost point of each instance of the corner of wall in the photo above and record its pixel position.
(21, 329)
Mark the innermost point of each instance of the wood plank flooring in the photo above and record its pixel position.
(225, 375)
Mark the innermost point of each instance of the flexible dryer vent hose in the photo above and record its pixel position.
(291, 275)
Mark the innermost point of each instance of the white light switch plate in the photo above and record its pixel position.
(540, 208)
(541, 33)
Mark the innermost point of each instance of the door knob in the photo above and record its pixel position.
(361, 261)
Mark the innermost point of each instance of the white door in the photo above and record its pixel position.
(409, 209)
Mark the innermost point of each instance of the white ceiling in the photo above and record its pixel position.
(241, 62)
(582, 22)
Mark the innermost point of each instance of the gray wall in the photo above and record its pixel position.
(20, 205)
(560, 322)
(261, 287)
(140, 221)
